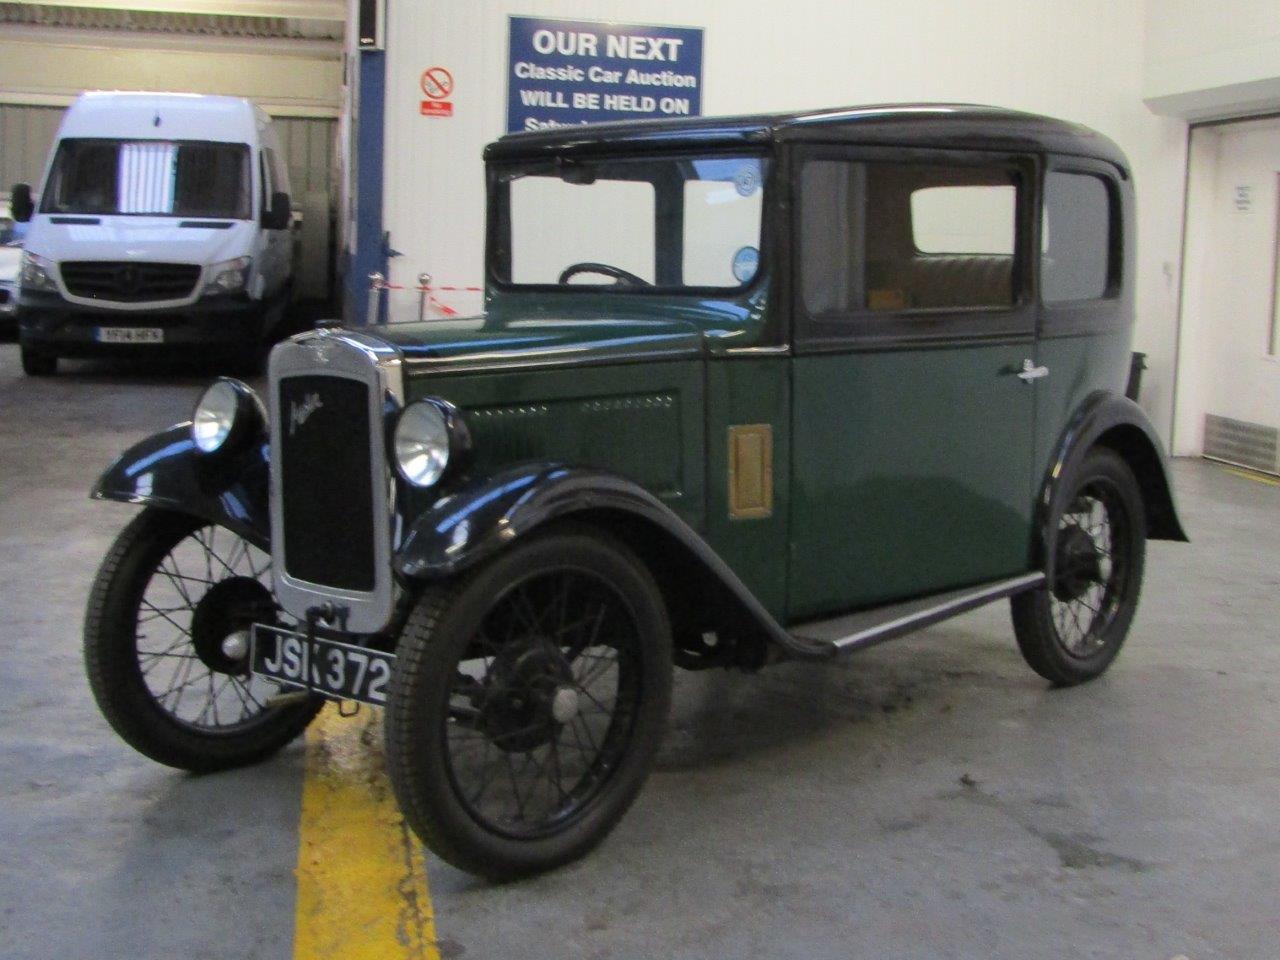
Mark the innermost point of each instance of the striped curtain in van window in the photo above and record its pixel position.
(146, 177)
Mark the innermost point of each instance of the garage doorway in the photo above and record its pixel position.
(1228, 396)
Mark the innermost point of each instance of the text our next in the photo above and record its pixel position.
(574, 43)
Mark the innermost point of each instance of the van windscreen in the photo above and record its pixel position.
(162, 178)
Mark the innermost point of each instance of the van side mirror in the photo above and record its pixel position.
(278, 217)
(20, 203)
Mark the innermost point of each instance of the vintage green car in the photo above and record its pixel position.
(745, 390)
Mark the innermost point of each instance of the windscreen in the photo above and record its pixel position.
(150, 178)
(669, 222)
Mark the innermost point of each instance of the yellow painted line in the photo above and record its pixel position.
(1256, 477)
(362, 882)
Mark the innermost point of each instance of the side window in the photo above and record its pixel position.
(880, 238)
(1075, 259)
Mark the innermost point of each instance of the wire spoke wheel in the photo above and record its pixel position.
(192, 634)
(528, 699)
(543, 703)
(1072, 629)
(1091, 568)
(167, 644)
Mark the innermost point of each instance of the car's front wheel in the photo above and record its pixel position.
(527, 703)
(1071, 629)
(37, 363)
(166, 645)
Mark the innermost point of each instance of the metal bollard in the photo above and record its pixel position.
(424, 281)
(377, 291)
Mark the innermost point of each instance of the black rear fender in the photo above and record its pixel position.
(1116, 422)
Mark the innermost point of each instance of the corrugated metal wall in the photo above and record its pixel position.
(309, 144)
(27, 132)
(25, 135)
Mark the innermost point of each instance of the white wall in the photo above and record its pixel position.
(1077, 59)
(1228, 298)
(1212, 58)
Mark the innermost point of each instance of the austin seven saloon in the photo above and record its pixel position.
(744, 390)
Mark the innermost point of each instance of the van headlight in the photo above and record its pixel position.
(430, 435)
(230, 276)
(37, 272)
(226, 413)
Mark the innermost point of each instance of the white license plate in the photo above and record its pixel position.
(130, 335)
(335, 670)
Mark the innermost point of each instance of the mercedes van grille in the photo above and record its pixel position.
(128, 281)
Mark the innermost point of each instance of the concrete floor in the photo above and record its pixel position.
(929, 798)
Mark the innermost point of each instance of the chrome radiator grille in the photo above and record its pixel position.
(331, 486)
(325, 485)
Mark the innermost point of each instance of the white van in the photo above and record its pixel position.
(162, 224)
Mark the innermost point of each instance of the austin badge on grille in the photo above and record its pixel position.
(301, 411)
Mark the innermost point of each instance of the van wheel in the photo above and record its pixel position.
(527, 703)
(36, 363)
(166, 645)
(1071, 629)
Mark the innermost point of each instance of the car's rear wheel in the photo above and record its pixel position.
(166, 645)
(1072, 629)
(527, 703)
(38, 363)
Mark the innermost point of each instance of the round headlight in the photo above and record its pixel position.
(223, 409)
(422, 443)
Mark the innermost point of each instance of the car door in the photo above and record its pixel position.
(913, 374)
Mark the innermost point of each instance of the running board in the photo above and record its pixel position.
(855, 631)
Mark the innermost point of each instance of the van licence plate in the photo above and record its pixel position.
(339, 671)
(130, 335)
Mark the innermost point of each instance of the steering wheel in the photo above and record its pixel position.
(618, 274)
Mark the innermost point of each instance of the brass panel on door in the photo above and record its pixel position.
(750, 471)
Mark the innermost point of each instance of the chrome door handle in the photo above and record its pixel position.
(1031, 372)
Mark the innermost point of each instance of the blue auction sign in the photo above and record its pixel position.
(564, 72)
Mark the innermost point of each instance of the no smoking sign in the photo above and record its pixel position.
(437, 84)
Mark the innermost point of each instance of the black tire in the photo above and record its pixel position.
(1072, 629)
(36, 363)
(146, 551)
(434, 706)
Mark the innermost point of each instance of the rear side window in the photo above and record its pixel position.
(1075, 259)
(904, 237)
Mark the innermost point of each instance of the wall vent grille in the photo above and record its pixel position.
(1240, 442)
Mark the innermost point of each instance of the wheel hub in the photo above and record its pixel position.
(529, 699)
(1077, 566)
(221, 621)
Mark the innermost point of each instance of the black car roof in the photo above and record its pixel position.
(941, 125)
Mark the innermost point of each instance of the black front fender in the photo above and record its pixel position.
(229, 488)
(1116, 422)
(484, 516)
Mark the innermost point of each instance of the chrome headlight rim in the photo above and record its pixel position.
(226, 414)
(453, 442)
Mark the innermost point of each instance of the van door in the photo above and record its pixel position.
(913, 376)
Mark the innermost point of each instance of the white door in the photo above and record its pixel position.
(1228, 388)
